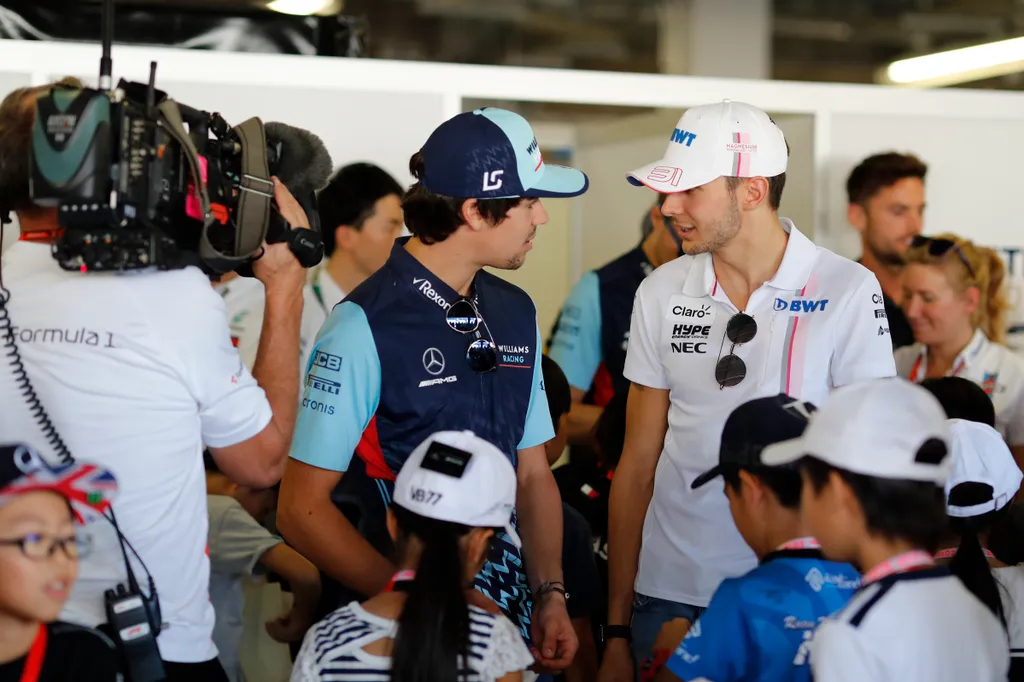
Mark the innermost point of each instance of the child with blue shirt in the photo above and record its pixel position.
(757, 625)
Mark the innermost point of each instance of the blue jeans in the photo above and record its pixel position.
(649, 614)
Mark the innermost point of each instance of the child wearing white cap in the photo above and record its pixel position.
(452, 494)
(874, 461)
(979, 492)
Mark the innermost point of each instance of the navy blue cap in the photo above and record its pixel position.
(753, 426)
(493, 154)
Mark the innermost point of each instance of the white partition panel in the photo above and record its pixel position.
(383, 109)
(972, 179)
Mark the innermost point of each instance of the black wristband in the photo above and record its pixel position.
(616, 632)
(549, 587)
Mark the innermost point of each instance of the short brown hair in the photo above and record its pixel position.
(877, 172)
(776, 184)
(432, 218)
(17, 116)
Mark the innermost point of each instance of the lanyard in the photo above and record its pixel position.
(318, 292)
(800, 543)
(951, 552)
(901, 563)
(400, 577)
(44, 236)
(916, 371)
(34, 662)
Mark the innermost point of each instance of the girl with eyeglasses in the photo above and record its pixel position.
(39, 553)
(954, 296)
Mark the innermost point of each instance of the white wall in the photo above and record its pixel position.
(382, 110)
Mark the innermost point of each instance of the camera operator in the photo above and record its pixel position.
(137, 371)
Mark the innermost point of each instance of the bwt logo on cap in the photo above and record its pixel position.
(683, 137)
(799, 305)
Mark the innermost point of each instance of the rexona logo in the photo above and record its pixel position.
(427, 289)
(680, 136)
(686, 311)
(515, 356)
(801, 305)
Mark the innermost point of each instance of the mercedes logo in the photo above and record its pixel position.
(433, 361)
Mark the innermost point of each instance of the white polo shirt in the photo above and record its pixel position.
(136, 371)
(921, 625)
(325, 290)
(994, 367)
(821, 324)
(245, 300)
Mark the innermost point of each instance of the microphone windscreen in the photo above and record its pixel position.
(305, 164)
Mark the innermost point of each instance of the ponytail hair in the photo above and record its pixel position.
(970, 564)
(989, 277)
(993, 297)
(433, 630)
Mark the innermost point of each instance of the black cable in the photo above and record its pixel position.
(24, 385)
(123, 539)
(21, 379)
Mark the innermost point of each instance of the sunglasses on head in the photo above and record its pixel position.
(730, 369)
(937, 248)
(465, 318)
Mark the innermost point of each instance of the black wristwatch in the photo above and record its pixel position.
(616, 632)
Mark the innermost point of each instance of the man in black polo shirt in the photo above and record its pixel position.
(431, 343)
(886, 195)
(589, 342)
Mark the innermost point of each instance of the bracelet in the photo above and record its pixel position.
(549, 587)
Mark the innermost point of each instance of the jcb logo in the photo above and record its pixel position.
(492, 180)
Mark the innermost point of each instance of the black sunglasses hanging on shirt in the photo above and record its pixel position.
(465, 318)
(730, 369)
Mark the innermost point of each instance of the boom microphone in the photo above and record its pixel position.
(303, 165)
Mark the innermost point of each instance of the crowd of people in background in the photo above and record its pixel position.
(735, 456)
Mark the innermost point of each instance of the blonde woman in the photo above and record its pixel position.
(955, 300)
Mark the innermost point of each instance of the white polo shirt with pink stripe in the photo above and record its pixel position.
(820, 324)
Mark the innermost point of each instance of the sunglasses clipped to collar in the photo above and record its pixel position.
(730, 369)
(937, 248)
(465, 318)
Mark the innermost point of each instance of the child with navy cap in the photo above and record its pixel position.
(757, 625)
(454, 493)
(874, 461)
(39, 553)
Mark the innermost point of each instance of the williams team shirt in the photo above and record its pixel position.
(387, 371)
(592, 331)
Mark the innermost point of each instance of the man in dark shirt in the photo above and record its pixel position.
(592, 329)
(886, 195)
(433, 342)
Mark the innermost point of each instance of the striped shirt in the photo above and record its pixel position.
(333, 650)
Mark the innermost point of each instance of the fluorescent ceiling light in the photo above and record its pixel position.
(305, 7)
(959, 66)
